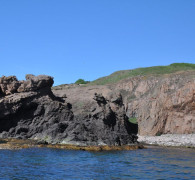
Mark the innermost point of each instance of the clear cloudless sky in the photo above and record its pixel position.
(72, 39)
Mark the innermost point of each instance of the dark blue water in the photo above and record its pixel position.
(45, 163)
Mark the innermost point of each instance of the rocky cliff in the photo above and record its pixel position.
(161, 104)
(97, 114)
(164, 105)
(30, 110)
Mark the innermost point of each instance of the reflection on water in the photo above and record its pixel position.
(45, 163)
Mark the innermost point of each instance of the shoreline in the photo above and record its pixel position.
(166, 140)
(15, 144)
(169, 140)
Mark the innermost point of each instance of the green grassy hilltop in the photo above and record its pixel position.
(155, 70)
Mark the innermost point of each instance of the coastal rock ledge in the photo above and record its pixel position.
(30, 110)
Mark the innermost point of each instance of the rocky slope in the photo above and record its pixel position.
(29, 109)
(163, 104)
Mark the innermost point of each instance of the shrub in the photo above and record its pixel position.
(81, 81)
(133, 120)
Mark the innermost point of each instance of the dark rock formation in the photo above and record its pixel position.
(34, 114)
(8, 85)
(104, 123)
(29, 109)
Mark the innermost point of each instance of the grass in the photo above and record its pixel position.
(155, 70)
(133, 120)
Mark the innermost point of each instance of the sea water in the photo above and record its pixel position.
(46, 163)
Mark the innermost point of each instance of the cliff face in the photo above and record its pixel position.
(97, 115)
(164, 105)
(29, 109)
(160, 104)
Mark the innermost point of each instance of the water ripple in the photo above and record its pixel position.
(45, 163)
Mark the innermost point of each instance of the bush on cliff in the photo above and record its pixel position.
(81, 81)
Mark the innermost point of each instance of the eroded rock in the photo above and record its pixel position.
(10, 85)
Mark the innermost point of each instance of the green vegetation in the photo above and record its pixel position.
(155, 70)
(158, 134)
(133, 120)
(81, 81)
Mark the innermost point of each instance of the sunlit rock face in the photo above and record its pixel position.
(165, 105)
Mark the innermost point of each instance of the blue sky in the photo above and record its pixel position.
(72, 39)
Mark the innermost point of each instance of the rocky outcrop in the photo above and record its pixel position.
(30, 110)
(34, 112)
(104, 123)
(10, 85)
(97, 115)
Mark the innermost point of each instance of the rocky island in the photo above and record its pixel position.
(101, 113)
